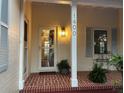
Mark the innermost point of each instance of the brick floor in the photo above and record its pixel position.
(58, 83)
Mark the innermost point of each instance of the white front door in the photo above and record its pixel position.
(47, 50)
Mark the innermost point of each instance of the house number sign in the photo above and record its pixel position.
(74, 20)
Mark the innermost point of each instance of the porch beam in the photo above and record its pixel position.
(74, 81)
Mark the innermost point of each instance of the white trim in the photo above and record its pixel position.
(48, 69)
(21, 57)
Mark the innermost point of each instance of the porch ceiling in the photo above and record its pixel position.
(95, 3)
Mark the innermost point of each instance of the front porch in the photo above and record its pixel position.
(68, 32)
(55, 82)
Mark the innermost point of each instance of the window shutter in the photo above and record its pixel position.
(114, 41)
(3, 35)
(89, 42)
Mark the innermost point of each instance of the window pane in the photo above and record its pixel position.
(100, 40)
(4, 11)
(4, 37)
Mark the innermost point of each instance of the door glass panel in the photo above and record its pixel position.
(47, 48)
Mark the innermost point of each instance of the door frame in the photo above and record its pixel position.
(26, 74)
(48, 69)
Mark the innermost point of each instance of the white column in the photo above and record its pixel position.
(74, 81)
(21, 56)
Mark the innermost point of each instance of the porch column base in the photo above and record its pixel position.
(21, 84)
(74, 83)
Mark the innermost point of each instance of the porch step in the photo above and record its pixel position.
(73, 91)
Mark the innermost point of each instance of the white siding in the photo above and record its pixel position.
(9, 79)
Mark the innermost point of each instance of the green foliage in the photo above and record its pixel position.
(117, 61)
(98, 74)
(63, 67)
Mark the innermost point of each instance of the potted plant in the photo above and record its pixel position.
(63, 66)
(98, 74)
(117, 61)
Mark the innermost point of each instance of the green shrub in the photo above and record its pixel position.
(98, 74)
(117, 61)
(63, 67)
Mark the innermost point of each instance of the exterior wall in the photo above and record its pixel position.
(47, 15)
(9, 79)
